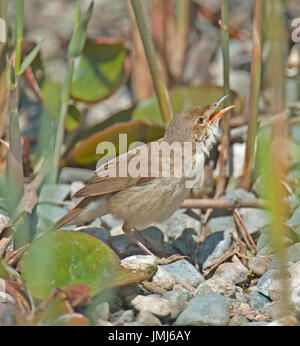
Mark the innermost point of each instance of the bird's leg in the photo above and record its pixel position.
(128, 231)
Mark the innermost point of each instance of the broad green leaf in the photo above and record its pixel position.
(51, 95)
(63, 258)
(181, 97)
(84, 153)
(79, 35)
(98, 70)
(30, 57)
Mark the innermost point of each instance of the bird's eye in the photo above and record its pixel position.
(201, 121)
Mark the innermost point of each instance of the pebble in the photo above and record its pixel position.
(152, 303)
(217, 284)
(123, 317)
(255, 324)
(178, 300)
(185, 244)
(172, 228)
(206, 309)
(265, 281)
(295, 298)
(163, 279)
(257, 300)
(232, 271)
(289, 320)
(184, 271)
(220, 224)
(238, 320)
(294, 270)
(259, 264)
(292, 255)
(71, 174)
(100, 312)
(214, 246)
(140, 262)
(145, 318)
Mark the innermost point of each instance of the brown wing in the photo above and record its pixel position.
(107, 178)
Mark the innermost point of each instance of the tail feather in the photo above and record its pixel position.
(87, 210)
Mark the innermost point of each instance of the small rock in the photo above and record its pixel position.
(100, 233)
(217, 284)
(206, 309)
(110, 221)
(221, 224)
(238, 320)
(100, 312)
(257, 300)
(273, 309)
(145, 318)
(184, 271)
(255, 219)
(232, 272)
(7, 314)
(295, 298)
(178, 300)
(71, 174)
(214, 246)
(174, 225)
(156, 305)
(140, 262)
(124, 246)
(163, 279)
(122, 317)
(259, 264)
(186, 244)
(187, 293)
(265, 281)
(276, 290)
(294, 270)
(104, 323)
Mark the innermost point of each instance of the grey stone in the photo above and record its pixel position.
(294, 220)
(122, 317)
(100, 233)
(265, 281)
(163, 279)
(154, 304)
(259, 264)
(239, 193)
(178, 300)
(7, 313)
(294, 270)
(232, 272)
(184, 271)
(257, 300)
(255, 219)
(145, 318)
(295, 299)
(100, 312)
(273, 309)
(214, 246)
(140, 262)
(174, 225)
(221, 223)
(206, 309)
(71, 174)
(238, 320)
(217, 284)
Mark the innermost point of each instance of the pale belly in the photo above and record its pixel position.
(140, 206)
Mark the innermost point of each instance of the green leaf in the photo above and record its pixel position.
(79, 36)
(63, 258)
(99, 70)
(181, 97)
(84, 153)
(51, 95)
(30, 57)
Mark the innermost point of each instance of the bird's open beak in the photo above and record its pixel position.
(218, 114)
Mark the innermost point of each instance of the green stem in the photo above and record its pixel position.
(77, 14)
(19, 34)
(158, 82)
(254, 93)
(225, 121)
(62, 119)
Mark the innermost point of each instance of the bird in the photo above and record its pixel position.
(143, 198)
